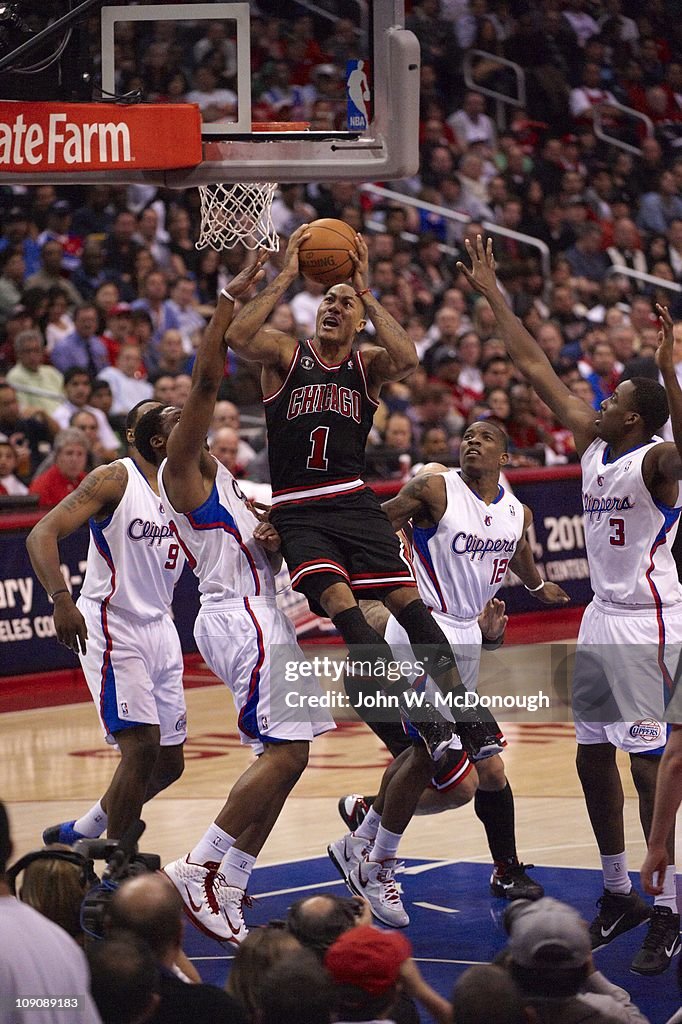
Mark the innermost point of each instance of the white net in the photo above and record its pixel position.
(235, 213)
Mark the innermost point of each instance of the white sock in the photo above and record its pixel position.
(93, 822)
(668, 898)
(237, 867)
(386, 845)
(615, 871)
(369, 826)
(212, 846)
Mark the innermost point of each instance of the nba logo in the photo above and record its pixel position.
(488, 520)
(600, 481)
(124, 708)
(357, 95)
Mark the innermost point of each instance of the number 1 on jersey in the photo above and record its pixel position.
(318, 451)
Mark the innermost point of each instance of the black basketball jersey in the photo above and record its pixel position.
(318, 422)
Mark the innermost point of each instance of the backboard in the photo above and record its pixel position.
(343, 73)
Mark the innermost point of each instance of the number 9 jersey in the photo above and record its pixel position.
(134, 561)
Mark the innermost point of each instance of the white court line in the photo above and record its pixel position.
(437, 960)
(297, 888)
(419, 869)
(194, 958)
(434, 906)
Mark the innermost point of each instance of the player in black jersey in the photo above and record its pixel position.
(320, 398)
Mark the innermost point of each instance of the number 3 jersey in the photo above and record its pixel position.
(628, 535)
(134, 561)
(460, 563)
(317, 423)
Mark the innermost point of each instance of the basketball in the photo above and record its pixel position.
(324, 256)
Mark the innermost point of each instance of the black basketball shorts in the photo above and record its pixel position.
(345, 539)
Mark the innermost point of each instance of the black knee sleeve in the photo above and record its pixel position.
(428, 640)
(368, 656)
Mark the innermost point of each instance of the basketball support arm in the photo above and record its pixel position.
(10, 59)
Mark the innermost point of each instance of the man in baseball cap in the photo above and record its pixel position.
(549, 955)
(366, 963)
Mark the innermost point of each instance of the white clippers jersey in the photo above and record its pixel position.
(134, 561)
(217, 539)
(628, 536)
(460, 563)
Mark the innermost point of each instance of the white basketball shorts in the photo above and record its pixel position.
(247, 642)
(134, 671)
(624, 677)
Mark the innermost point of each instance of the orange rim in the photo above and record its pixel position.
(280, 126)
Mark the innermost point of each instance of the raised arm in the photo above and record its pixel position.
(525, 352)
(397, 356)
(188, 439)
(247, 335)
(662, 465)
(523, 564)
(422, 499)
(97, 495)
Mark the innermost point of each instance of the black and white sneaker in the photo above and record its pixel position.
(435, 730)
(511, 882)
(353, 809)
(661, 944)
(480, 734)
(618, 913)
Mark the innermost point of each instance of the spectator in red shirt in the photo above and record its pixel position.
(67, 471)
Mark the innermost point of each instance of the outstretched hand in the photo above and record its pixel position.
(267, 537)
(295, 240)
(653, 870)
(493, 620)
(69, 624)
(666, 340)
(481, 277)
(247, 277)
(551, 593)
(360, 258)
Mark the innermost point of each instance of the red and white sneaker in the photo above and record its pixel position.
(375, 882)
(213, 906)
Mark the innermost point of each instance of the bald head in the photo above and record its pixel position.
(317, 921)
(149, 907)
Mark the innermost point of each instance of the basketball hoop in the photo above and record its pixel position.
(234, 213)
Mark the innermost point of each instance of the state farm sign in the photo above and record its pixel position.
(98, 136)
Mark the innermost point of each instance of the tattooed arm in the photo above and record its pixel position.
(397, 357)
(247, 335)
(422, 500)
(96, 497)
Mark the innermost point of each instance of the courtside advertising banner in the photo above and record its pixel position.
(45, 137)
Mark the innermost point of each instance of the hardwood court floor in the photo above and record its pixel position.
(54, 764)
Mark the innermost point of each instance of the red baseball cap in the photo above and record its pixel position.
(120, 309)
(367, 958)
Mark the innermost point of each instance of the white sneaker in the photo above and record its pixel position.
(232, 900)
(375, 882)
(347, 852)
(211, 905)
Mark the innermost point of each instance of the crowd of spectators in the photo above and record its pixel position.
(103, 296)
(323, 962)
